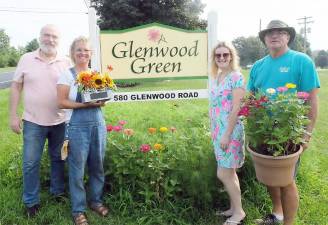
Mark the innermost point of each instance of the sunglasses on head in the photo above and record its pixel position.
(224, 55)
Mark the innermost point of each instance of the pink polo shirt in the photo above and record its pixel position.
(39, 79)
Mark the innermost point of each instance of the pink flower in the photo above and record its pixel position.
(244, 111)
(153, 35)
(109, 128)
(282, 89)
(303, 95)
(145, 148)
(235, 143)
(122, 122)
(117, 128)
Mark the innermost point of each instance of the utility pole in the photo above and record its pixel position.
(304, 21)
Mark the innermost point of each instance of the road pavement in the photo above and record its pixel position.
(6, 79)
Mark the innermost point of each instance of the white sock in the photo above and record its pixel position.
(280, 217)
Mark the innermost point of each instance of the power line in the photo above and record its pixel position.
(306, 29)
(21, 10)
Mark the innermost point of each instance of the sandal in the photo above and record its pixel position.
(80, 219)
(100, 210)
(226, 213)
(233, 222)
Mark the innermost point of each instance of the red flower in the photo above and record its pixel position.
(244, 111)
(109, 128)
(109, 68)
(145, 148)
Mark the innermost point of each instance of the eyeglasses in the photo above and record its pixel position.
(79, 50)
(224, 55)
(276, 32)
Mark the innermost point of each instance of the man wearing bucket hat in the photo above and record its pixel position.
(283, 65)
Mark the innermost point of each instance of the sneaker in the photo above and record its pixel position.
(32, 211)
(269, 219)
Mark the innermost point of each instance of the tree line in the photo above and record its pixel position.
(10, 55)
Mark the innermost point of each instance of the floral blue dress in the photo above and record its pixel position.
(220, 107)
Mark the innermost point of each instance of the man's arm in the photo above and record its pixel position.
(15, 120)
(313, 113)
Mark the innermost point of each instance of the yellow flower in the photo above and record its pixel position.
(290, 85)
(158, 146)
(163, 129)
(271, 91)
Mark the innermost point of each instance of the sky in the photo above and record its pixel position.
(22, 19)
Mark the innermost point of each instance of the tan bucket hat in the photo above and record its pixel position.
(278, 25)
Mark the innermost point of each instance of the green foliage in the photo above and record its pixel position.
(249, 49)
(275, 121)
(298, 45)
(9, 56)
(121, 14)
(32, 45)
(321, 60)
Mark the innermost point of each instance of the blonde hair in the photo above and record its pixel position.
(77, 40)
(234, 63)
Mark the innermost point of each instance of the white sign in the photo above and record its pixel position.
(159, 95)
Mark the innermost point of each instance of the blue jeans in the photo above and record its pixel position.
(87, 144)
(35, 137)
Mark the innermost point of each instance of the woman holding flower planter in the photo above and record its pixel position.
(227, 90)
(86, 134)
(270, 74)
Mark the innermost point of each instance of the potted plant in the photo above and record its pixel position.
(95, 86)
(275, 124)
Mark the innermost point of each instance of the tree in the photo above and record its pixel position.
(298, 45)
(4, 41)
(322, 59)
(249, 49)
(32, 45)
(121, 14)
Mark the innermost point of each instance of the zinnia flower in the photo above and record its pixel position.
(303, 95)
(244, 111)
(122, 122)
(117, 128)
(290, 85)
(158, 146)
(271, 91)
(109, 127)
(128, 132)
(152, 130)
(145, 148)
(163, 129)
(282, 89)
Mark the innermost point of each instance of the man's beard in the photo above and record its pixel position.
(48, 50)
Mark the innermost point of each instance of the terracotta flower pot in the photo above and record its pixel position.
(275, 171)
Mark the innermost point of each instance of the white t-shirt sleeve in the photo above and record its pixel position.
(66, 78)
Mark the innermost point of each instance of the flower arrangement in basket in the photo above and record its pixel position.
(95, 86)
(275, 121)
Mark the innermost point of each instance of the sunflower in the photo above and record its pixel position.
(84, 79)
(97, 81)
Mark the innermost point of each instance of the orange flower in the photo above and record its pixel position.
(128, 132)
(158, 146)
(152, 130)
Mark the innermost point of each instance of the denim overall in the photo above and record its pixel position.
(87, 144)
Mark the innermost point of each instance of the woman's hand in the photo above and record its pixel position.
(224, 141)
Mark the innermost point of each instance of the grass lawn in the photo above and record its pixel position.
(7, 69)
(312, 178)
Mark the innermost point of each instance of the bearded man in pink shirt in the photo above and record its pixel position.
(36, 76)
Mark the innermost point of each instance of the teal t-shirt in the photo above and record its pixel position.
(291, 67)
